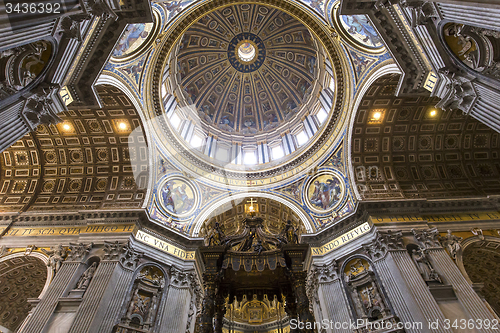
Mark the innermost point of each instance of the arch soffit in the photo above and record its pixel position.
(38, 255)
(304, 218)
(109, 78)
(468, 242)
(383, 69)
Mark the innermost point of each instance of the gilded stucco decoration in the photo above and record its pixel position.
(82, 163)
(21, 278)
(404, 147)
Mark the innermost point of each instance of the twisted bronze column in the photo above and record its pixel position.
(302, 301)
(205, 323)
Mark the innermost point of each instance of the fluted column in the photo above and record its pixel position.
(12, 125)
(64, 272)
(470, 13)
(121, 281)
(114, 253)
(331, 296)
(176, 304)
(486, 109)
(385, 251)
(27, 34)
(418, 287)
(467, 297)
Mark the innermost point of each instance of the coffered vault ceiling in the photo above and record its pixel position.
(230, 216)
(401, 149)
(249, 95)
(21, 278)
(81, 163)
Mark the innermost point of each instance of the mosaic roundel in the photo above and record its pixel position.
(132, 38)
(361, 30)
(178, 196)
(245, 44)
(324, 192)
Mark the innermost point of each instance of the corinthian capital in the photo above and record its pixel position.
(180, 279)
(429, 238)
(129, 258)
(384, 242)
(112, 250)
(78, 251)
(328, 272)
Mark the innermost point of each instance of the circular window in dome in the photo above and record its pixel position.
(246, 51)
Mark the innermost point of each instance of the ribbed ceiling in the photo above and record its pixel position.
(247, 97)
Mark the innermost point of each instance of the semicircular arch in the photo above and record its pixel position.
(479, 262)
(22, 276)
(203, 216)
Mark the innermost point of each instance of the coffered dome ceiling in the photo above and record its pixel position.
(247, 92)
(248, 69)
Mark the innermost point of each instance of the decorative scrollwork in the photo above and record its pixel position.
(429, 238)
(78, 252)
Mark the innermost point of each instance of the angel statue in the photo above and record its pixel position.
(290, 233)
(217, 237)
(452, 243)
(56, 257)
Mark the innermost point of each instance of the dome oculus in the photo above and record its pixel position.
(242, 73)
(246, 52)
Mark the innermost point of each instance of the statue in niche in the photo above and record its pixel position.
(424, 265)
(142, 308)
(290, 233)
(217, 237)
(364, 292)
(372, 297)
(86, 277)
(56, 257)
(452, 243)
(139, 305)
